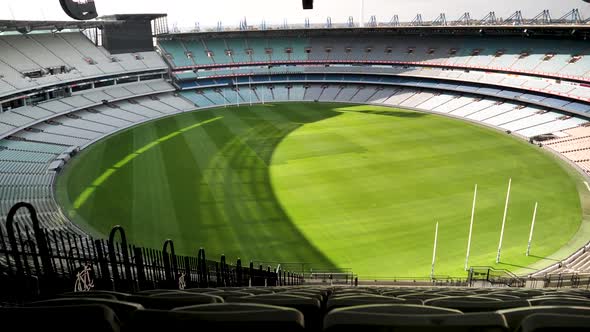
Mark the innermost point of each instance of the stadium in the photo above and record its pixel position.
(417, 175)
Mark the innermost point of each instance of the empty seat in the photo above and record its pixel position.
(122, 309)
(98, 293)
(259, 291)
(230, 294)
(567, 301)
(222, 316)
(310, 307)
(476, 303)
(201, 290)
(93, 317)
(347, 301)
(503, 297)
(345, 319)
(397, 292)
(318, 296)
(455, 293)
(419, 296)
(171, 300)
(400, 309)
(554, 322)
(159, 291)
(515, 316)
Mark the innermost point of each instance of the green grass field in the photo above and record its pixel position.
(334, 185)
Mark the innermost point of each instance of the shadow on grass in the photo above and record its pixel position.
(396, 114)
(545, 258)
(515, 265)
(236, 195)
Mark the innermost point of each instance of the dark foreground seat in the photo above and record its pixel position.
(248, 316)
(515, 316)
(555, 323)
(99, 293)
(91, 318)
(565, 301)
(219, 317)
(475, 303)
(310, 307)
(230, 294)
(159, 291)
(420, 296)
(399, 309)
(168, 301)
(202, 290)
(122, 309)
(346, 319)
(353, 300)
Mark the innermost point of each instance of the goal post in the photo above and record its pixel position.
(503, 222)
(470, 229)
(528, 248)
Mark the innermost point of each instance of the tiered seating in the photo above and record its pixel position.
(313, 93)
(533, 120)
(296, 92)
(178, 53)
(218, 47)
(348, 92)
(400, 96)
(330, 93)
(71, 51)
(429, 49)
(417, 99)
(457, 106)
(552, 127)
(317, 308)
(503, 54)
(25, 116)
(510, 116)
(490, 112)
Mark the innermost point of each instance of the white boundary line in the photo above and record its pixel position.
(587, 185)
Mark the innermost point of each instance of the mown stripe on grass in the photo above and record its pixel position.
(86, 193)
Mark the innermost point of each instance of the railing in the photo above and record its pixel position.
(39, 263)
(560, 280)
(495, 277)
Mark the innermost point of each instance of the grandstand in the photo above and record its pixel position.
(62, 91)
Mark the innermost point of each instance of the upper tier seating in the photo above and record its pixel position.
(36, 60)
(508, 53)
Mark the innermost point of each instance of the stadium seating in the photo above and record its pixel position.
(338, 308)
(94, 317)
(71, 51)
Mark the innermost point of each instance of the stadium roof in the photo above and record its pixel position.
(570, 24)
(128, 17)
(579, 31)
(28, 26)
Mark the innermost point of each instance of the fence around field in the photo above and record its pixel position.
(38, 263)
